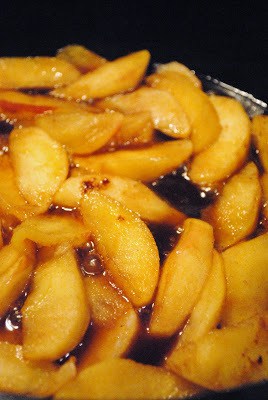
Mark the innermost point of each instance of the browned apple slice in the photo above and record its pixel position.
(260, 138)
(181, 69)
(135, 195)
(31, 378)
(166, 112)
(264, 184)
(206, 313)
(201, 113)
(182, 278)
(40, 164)
(230, 150)
(82, 58)
(117, 76)
(12, 203)
(16, 266)
(51, 230)
(35, 72)
(81, 132)
(225, 358)
(140, 164)
(247, 280)
(55, 313)
(126, 245)
(126, 379)
(115, 323)
(235, 213)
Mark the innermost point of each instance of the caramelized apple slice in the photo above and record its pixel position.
(117, 76)
(81, 132)
(35, 72)
(229, 152)
(125, 244)
(247, 280)
(260, 138)
(135, 195)
(201, 113)
(12, 203)
(264, 184)
(140, 164)
(206, 313)
(115, 323)
(181, 69)
(225, 358)
(183, 276)
(51, 230)
(104, 381)
(235, 213)
(82, 58)
(166, 113)
(23, 377)
(16, 266)
(58, 298)
(40, 164)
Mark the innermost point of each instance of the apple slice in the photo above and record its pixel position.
(58, 298)
(126, 379)
(125, 244)
(31, 378)
(260, 138)
(201, 113)
(181, 69)
(81, 132)
(40, 164)
(35, 72)
(228, 153)
(133, 194)
(140, 164)
(206, 313)
(235, 213)
(264, 184)
(117, 76)
(183, 276)
(166, 112)
(82, 58)
(16, 267)
(247, 280)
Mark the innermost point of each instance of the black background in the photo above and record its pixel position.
(225, 40)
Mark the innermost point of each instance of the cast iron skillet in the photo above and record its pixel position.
(253, 107)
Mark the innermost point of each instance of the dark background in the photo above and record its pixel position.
(225, 40)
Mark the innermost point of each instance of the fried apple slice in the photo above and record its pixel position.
(206, 313)
(181, 69)
(40, 164)
(225, 358)
(247, 280)
(125, 244)
(83, 59)
(120, 75)
(81, 132)
(166, 113)
(35, 72)
(16, 266)
(12, 203)
(183, 276)
(140, 164)
(23, 377)
(229, 152)
(136, 129)
(260, 138)
(51, 230)
(235, 213)
(104, 381)
(201, 113)
(264, 184)
(115, 323)
(57, 297)
(133, 194)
